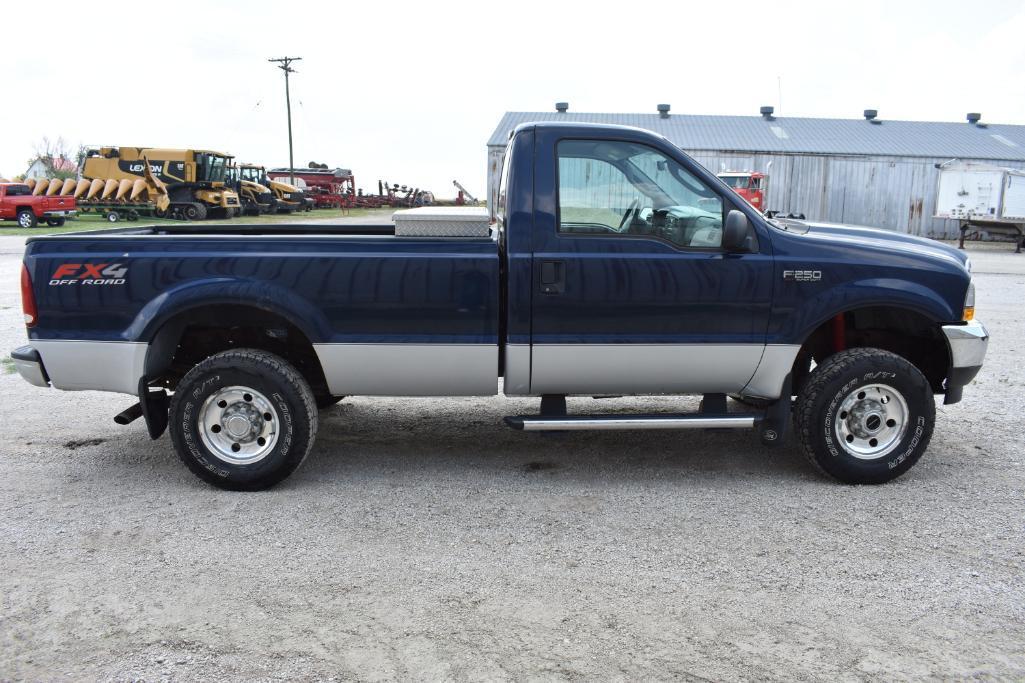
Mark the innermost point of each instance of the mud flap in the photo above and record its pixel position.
(155, 404)
(775, 426)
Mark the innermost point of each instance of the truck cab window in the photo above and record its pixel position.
(18, 191)
(621, 188)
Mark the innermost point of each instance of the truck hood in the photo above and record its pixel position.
(862, 236)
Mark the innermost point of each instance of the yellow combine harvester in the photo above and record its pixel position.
(179, 183)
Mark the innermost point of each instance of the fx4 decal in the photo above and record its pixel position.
(89, 274)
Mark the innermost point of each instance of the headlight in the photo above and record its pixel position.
(969, 303)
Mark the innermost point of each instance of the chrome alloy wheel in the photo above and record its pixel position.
(871, 421)
(238, 425)
(25, 219)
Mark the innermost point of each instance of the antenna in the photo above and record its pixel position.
(285, 64)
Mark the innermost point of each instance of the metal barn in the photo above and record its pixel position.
(867, 171)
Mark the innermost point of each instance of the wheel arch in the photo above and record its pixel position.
(907, 330)
(187, 325)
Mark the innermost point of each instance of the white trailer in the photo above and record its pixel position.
(989, 198)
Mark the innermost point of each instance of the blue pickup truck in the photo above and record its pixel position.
(617, 266)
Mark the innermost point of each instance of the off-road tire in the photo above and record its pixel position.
(27, 219)
(268, 374)
(818, 408)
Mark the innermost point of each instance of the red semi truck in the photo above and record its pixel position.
(750, 185)
(17, 203)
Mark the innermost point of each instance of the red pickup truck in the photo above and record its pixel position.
(18, 203)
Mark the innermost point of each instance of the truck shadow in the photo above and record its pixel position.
(466, 440)
(464, 437)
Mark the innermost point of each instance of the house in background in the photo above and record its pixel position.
(38, 168)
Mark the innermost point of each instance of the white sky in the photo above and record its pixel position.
(410, 92)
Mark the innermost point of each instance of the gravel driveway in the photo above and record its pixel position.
(424, 540)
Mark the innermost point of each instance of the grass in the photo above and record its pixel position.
(8, 365)
(92, 221)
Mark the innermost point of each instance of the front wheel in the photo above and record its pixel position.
(243, 420)
(865, 416)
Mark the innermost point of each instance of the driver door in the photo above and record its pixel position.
(632, 291)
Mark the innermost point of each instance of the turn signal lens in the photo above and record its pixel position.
(969, 303)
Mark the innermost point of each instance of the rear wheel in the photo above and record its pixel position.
(55, 222)
(113, 217)
(27, 219)
(865, 416)
(243, 419)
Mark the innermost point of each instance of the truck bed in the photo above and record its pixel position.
(213, 228)
(425, 309)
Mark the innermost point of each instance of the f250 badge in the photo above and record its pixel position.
(89, 274)
(802, 275)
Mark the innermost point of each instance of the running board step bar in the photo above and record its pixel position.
(566, 423)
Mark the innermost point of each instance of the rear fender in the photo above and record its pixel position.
(174, 305)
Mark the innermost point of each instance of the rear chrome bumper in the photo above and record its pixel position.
(967, 344)
(29, 365)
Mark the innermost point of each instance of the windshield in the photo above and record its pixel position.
(211, 168)
(734, 181)
(252, 173)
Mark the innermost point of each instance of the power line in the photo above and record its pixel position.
(285, 64)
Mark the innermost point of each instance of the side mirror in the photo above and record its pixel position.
(736, 231)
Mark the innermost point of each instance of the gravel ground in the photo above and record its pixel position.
(424, 540)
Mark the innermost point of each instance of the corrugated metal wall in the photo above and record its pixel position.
(895, 193)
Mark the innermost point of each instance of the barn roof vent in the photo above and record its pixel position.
(663, 110)
(871, 113)
(766, 112)
(974, 117)
(561, 107)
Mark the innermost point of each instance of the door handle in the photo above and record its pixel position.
(553, 277)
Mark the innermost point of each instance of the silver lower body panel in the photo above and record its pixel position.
(76, 365)
(410, 369)
(591, 369)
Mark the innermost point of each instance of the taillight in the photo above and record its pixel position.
(28, 299)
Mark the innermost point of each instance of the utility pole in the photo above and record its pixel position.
(285, 64)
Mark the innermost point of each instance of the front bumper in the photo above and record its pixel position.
(967, 344)
(29, 365)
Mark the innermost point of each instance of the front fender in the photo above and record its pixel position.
(796, 323)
